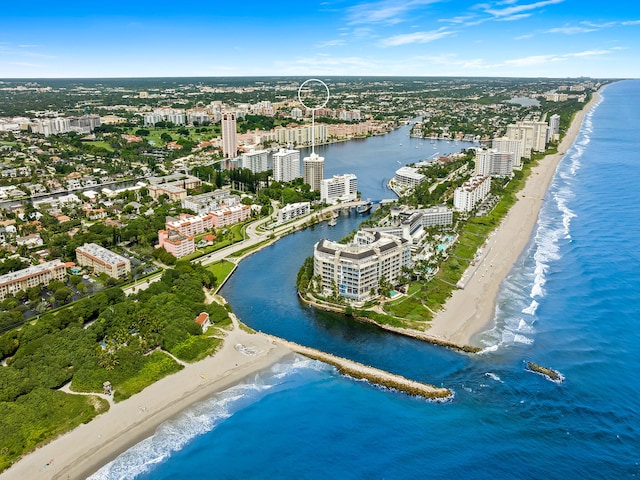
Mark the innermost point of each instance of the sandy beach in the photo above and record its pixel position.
(471, 310)
(81, 452)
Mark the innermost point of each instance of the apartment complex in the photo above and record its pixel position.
(176, 243)
(43, 274)
(255, 160)
(293, 211)
(339, 188)
(408, 177)
(504, 145)
(286, 165)
(467, 196)
(532, 133)
(209, 201)
(102, 260)
(355, 269)
(491, 162)
(229, 138)
(313, 171)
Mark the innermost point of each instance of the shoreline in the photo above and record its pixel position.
(82, 451)
(471, 310)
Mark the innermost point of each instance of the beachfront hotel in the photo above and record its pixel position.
(102, 260)
(355, 269)
(467, 196)
(313, 171)
(43, 274)
(286, 165)
(339, 188)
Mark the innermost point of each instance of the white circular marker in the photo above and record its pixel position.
(315, 93)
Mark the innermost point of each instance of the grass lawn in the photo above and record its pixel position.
(221, 269)
(101, 144)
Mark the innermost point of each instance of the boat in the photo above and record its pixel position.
(365, 207)
(332, 222)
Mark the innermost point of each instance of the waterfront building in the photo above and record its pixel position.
(176, 243)
(286, 165)
(313, 171)
(491, 162)
(408, 177)
(340, 188)
(229, 139)
(505, 145)
(255, 160)
(532, 133)
(467, 196)
(301, 135)
(355, 269)
(103, 260)
(293, 210)
(554, 127)
(230, 215)
(37, 275)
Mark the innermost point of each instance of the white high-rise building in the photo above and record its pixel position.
(470, 193)
(554, 127)
(356, 269)
(532, 133)
(229, 138)
(313, 167)
(342, 188)
(255, 160)
(504, 145)
(286, 165)
(491, 162)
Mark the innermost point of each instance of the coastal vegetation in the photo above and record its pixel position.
(130, 342)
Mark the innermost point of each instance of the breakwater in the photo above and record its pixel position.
(371, 374)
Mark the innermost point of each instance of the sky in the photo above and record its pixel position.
(187, 38)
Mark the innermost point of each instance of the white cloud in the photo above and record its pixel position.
(385, 11)
(417, 37)
(571, 30)
(551, 58)
(511, 18)
(516, 9)
(331, 43)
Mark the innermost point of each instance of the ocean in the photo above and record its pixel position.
(570, 303)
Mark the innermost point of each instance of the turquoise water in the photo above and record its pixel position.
(570, 303)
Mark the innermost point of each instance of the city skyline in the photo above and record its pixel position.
(513, 38)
